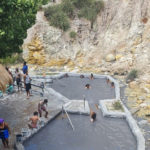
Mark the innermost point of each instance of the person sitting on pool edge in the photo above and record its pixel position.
(93, 116)
(87, 86)
(34, 120)
(42, 107)
(4, 133)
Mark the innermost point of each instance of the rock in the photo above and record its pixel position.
(141, 98)
(135, 110)
(143, 105)
(142, 122)
(145, 90)
(118, 56)
(133, 84)
(110, 58)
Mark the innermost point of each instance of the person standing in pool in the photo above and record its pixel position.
(42, 107)
(93, 116)
(34, 120)
(92, 76)
(4, 133)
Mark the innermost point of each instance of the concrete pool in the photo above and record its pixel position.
(104, 134)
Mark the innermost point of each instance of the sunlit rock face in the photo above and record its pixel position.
(122, 31)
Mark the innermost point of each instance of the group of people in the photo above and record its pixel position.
(88, 86)
(26, 79)
(17, 77)
(112, 83)
(42, 105)
(5, 130)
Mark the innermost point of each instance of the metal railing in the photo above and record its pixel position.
(63, 110)
(34, 85)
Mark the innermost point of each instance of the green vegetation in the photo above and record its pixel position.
(11, 59)
(132, 75)
(117, 105)
(88, 9)
(68, 8)
(57, 17)
(73, 34)
(91, 10)
(16, 16)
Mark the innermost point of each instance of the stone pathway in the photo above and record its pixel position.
(16, 110)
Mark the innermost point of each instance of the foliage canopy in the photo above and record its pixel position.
(16, 16)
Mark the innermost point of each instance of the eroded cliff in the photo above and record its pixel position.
(118, 42)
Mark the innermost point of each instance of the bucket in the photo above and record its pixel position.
(18, 137)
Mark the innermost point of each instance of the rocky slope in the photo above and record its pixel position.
(118, 42)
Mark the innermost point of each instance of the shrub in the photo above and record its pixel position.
(11, 59)
(58, 14)
(57, 17)
(50, 11)
(68, 7)
(73, 34)
(90, 12)
(132, 75)
(117, 105)
(81, 3)
(60, 20)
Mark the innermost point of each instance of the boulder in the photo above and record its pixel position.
(110, 58)
(133, 84)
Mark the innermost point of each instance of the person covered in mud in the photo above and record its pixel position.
(42, 107)
(33, 120)
(93, 116)
(4, 133)
(87, 86)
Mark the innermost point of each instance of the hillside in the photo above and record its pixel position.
(118, 42)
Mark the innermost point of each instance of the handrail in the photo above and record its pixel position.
(41, 87)
(63, 109)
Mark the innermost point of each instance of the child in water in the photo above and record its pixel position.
(93, 116)
(87, 86)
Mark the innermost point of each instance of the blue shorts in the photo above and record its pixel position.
(4, 134)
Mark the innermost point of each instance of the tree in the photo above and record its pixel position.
(16, 16)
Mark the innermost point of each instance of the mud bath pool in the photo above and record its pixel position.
(104, 134)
